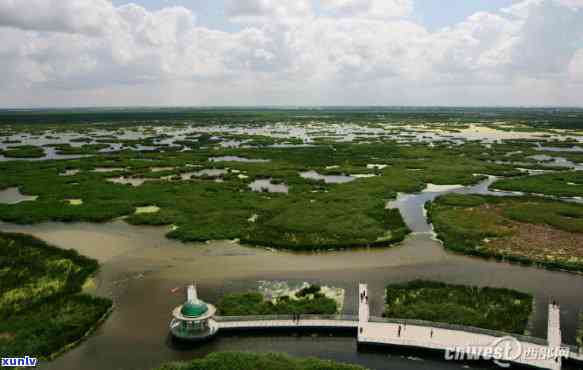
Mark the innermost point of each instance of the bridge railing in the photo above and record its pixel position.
(285, 317)
(470, 329)
(575, 350)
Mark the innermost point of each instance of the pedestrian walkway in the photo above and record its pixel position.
(306, 322)
(439, 338)
(418, 334)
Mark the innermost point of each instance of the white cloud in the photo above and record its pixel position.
(90, 52)
(83, 16)
(268, 10)
(576, 67)
(571, 3)
(370, 8)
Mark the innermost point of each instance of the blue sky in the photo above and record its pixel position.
(435, 14)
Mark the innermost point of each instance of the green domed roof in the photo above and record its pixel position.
(192, 309)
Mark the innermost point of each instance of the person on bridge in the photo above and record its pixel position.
(399, 331)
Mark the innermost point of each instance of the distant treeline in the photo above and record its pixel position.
(543, 117)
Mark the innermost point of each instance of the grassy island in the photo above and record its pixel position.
(41, 310)
(308, 300)
(254, 361)
(489, 308)
(529, 230)
(23, 151)
(562, 184)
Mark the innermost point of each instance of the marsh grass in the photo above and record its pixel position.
(45, 329)
(31, 271)
(309, 300)
(490, 227)
(23, 151)
(40, 307)
(312, 216)
(490, 308)
(562, 184)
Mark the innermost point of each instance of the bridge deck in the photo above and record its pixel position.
(302, 323)
(441, 339)
(578, 356)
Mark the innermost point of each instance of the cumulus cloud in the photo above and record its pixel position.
(576, 67)
(268, 10)
(571, 3)
(83, 16)
(370, 8)
(287, 52)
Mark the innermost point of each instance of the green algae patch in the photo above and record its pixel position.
(147, 209)
(74, 202)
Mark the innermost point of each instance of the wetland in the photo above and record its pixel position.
(330, 199)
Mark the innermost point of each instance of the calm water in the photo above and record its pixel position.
(14, 196)
(328, 179)
(266, 185)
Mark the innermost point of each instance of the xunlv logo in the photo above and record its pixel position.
(19, 361)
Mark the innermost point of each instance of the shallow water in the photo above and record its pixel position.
(210, 173)
(133, 181)
(14, 196)
(50, 154)
(328, 179)
(107, 169)
(233, 158)
(266, 185)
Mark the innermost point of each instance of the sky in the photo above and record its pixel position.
(69, 53)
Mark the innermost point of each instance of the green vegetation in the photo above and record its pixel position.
(516, 229)
(307, 301)
(254, 361)
(23, 151)
(563, 184)
(79, 150)
(489, 308)
(566, 118)
(41, 311)
(314, 215)
(47, 329)
(32, 271)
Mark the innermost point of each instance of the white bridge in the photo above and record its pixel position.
(535, 352)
